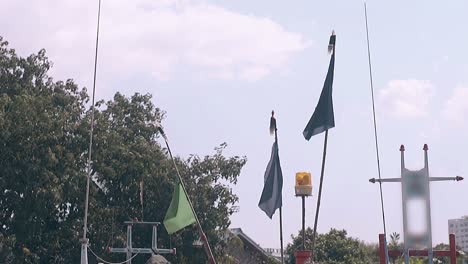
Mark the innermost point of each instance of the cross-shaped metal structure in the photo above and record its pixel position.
(129, 250)
(415, 186)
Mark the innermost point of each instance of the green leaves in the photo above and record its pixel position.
(41, 157)
(44, 135)
(334, 247)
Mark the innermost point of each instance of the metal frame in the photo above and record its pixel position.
(419, 180)
(452, 253)
(129, 250)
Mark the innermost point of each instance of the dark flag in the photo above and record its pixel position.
(323, 118)
(271, 198)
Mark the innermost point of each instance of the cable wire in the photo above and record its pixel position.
(108, 262)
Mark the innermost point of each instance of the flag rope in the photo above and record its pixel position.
(375, 135)
(108, 262)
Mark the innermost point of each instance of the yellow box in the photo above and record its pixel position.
(303, 184)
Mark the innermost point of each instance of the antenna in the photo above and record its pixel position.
(84, 240)
(375, 133)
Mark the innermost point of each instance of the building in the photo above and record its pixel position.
(459, 227)
(276, 253)
(244, 250)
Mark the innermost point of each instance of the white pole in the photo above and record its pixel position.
(84, 240)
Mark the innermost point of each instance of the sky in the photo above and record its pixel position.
(218, 68)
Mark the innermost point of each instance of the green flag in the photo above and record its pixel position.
(323, 118)
(179, 214)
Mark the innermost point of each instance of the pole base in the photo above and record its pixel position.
(303, 256)
(84, 251)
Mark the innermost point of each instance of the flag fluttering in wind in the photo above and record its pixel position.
(179, 214)
(271, 198)
(323, 118)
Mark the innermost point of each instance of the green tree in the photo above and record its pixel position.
(334, 247)
(394, 245)
(372, 252)
(42, 139)
(6, 244)
(394, 241)
(44, 132)
(127, 153)
(446, 260)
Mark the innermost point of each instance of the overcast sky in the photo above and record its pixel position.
(219, 67)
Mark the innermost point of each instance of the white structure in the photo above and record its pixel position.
(459, 227)
(275, 252)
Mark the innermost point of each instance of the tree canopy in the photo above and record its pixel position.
(44, 132)
(334, 247)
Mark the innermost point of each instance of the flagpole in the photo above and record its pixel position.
(281, 232)
(320, 191)
(84, 239)
(375, 136)
(206, 245)
(322, 119)
(331, 48)
(141, 200)
(281, 208)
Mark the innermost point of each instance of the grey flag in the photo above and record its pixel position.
(271, 198)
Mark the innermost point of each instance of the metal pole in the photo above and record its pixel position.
(430, 251)
(281, 208)
(457, 178)
(84, 240)
(319, 194)
(303, 222)
(403, 201)
(142, 183)
(375, 135)
(281, 233)
(129, 243)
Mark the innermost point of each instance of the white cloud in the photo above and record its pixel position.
(406, 99)
(149, 37)
(456, 107)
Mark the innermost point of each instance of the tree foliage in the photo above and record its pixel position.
(42, 140)
(44, 135)
(334, 247)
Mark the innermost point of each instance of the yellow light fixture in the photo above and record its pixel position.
(303, 184)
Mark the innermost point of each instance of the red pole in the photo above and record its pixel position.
(453, 249)
(382, 249)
